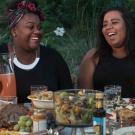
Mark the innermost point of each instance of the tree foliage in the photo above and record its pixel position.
(78, 17)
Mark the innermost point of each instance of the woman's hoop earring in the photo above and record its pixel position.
(14, 35)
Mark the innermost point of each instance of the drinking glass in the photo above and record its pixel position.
(7, 76)
(113, 125)
(4, 100)
(8, 99)
(112, 95)
(38, 88)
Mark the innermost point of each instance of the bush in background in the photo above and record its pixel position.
(77, 17)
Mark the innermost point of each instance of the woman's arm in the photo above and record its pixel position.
(87, 68)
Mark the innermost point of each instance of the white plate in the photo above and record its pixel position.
(126, 99)
(125, 131)
(24, 133)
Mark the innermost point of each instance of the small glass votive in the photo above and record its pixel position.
(35, 89)
(8, 99)
(112, 95)
(39, 120)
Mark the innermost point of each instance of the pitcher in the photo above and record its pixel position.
(7, 76)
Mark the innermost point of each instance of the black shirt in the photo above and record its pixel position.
(51, 71)
(113, 71)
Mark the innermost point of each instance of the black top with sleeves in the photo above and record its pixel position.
(111, 70)
(51, 71)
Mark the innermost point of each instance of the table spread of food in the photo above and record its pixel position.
(73, 108)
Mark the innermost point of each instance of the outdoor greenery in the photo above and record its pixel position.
(77, 17)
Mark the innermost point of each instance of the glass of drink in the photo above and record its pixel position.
(8, 99)
(7, 76)
(38, 88)
(112, 95)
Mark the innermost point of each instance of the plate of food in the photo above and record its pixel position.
(125, 131)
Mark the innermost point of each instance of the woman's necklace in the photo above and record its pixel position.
(25, 66)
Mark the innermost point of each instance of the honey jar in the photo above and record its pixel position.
(39, 120)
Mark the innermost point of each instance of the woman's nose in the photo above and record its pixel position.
(109, 26)
(37, 31)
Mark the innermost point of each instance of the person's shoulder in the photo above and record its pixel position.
(90, 54)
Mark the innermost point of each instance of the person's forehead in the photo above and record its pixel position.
(30, 17)
(113, 13)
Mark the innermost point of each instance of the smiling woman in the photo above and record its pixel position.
(114, 29)
(34, 64)
(113, 63)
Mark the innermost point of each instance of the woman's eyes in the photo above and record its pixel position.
(30, 27)
(112, 23)
(104, 25)
(115, 22)
(33, 27)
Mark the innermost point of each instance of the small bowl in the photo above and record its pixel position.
(42, 104)
(42, 99)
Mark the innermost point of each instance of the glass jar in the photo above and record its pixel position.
(39, 120)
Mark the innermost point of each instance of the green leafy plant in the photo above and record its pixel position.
(79, 19)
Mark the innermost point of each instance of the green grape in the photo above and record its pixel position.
(22, 129)
(29, 122)
(21, 123)
(16, 127)
(23, 118)
(27, 129)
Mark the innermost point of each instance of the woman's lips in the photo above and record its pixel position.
(111, 33)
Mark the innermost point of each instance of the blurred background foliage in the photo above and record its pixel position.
(77, 17)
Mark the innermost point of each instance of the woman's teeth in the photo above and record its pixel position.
(111, 33)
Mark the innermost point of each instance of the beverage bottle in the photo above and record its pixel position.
(99, 115)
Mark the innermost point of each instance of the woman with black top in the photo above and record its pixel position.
(113, 63)
(34, 64)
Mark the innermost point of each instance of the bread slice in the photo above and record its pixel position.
(127, 117)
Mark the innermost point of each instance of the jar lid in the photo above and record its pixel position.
(39, 110)
(100, 95)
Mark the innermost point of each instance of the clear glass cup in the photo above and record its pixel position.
(8, 100)
(113, 125)
(118, 89)
(35, 89)
(112, 95)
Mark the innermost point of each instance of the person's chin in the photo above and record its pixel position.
(35, 44)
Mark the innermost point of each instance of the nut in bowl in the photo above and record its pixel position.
(42, 100)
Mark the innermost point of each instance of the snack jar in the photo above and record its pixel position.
(39, 120)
